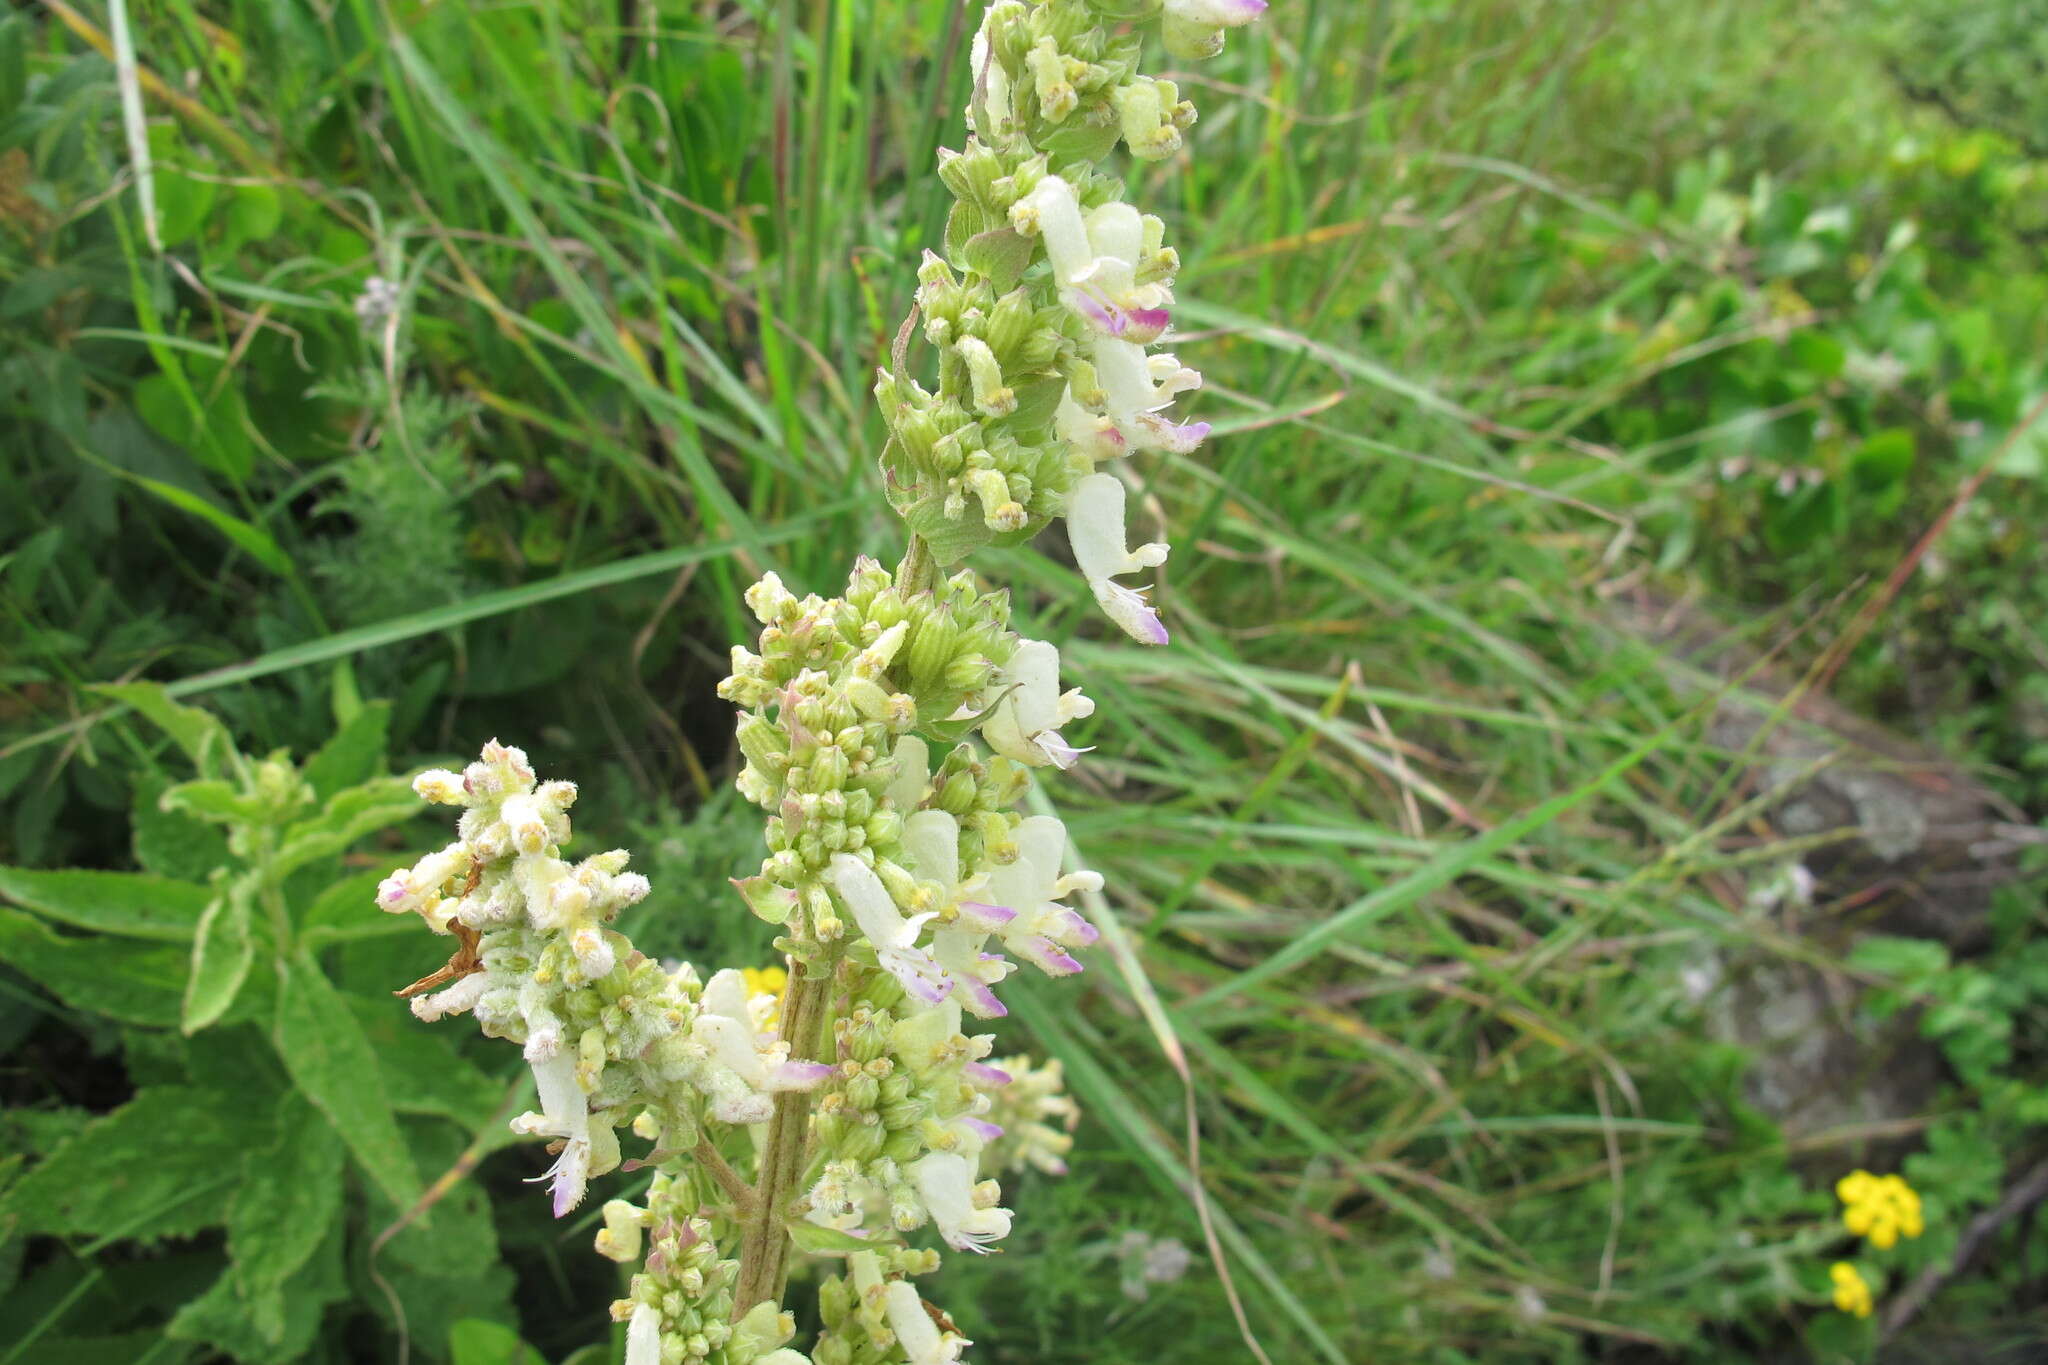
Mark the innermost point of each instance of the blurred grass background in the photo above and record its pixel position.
(1511, 313)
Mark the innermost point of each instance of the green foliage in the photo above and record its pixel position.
(1506, 310)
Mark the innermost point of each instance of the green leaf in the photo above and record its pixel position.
(352, 756)
(213, 434)
(221, 954)
(222, 1317)
(217, 800)
(333, 1064)
(347, 910)
(137, 983)
(203, 738)
(159, 1166)
(1003, 254)
(171, 843)
(348, 817)
(1885, 459)
(132, 903)
(290, 1195)
(826, 1241)
(422, 1071)
(253, 216)
(475, 1341)
(258, 544)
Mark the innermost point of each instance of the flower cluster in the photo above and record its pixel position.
(1852, 1295)
(1049, 294)
(889, 734)
(1882, 1208)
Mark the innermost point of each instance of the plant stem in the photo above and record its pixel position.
(918, 570)
(739, 1191)
(764, 1246)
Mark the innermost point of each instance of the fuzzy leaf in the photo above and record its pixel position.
(134, 904)
(171, 843)
(290, 1196)
(137, 983)
(221, 954)
(348, 817)
(222, 1318)
(353, 754)
(216, 800)
(161, 1165)
(330, 1060)
(422, 1072)
(1002, 254)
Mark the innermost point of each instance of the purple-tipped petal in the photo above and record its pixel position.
(986, 1076)
(1144, 325)
(979, 1000)
(982, 915)
(799, 1075)
(983, 1129)
(1042, 953)
(1079, 932)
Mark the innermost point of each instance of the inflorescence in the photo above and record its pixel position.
(890, 735)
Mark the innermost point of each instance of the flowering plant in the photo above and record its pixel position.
(905, 882)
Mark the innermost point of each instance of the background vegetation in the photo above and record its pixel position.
(483, 353)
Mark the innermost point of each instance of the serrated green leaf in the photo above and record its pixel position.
(203, 738)
(221, 1317)
(353, 754)
(134, 904)
(330, 1060)
(221, 954)
(422, 1071)
(137, 983)
(348, 817)
(290, 1196)
(476, 1341)
(159, 1166)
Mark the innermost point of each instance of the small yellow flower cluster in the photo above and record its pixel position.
(1880, 1207)
(1852, 1295)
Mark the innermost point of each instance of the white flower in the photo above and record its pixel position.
(457, 999)
(931, 841)
(1136, 387)
(946, 1184)
(1095, 528)
(726, 1028)
(1042, 929)
(893, 938)
(1095, 260)
(916, 1333)
(565, 1113)
(1025, 724)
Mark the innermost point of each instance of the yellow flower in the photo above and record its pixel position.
(1882, 1208)
(766, 981)
(1852, 1295)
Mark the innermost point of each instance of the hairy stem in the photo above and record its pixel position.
(764, 1247)
(739, 1191)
